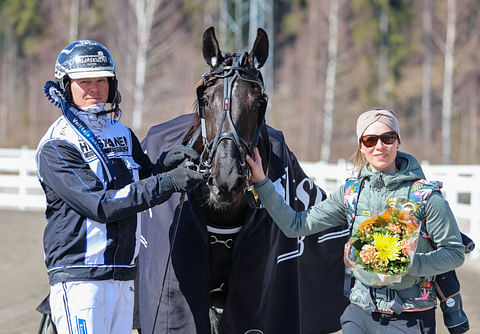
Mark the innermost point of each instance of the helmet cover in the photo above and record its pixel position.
(84, 59)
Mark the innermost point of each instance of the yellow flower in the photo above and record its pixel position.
(388, 247)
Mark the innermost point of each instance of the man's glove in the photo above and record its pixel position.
(171, 159)
(184, 179)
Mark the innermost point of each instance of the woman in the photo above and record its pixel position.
(387, 173)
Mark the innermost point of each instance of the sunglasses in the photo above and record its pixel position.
(388, 138)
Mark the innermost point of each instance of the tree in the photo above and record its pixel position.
(21, 26)
(448, 82)
(144, 12)
(328, 107)
(144, 42)
(427, 73)
(385, 25)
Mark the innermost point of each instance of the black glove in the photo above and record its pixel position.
(184, 179)
(171, 159)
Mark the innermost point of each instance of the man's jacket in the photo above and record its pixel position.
(92, 231)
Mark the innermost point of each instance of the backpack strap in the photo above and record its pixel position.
(352, 189)
(420, 192)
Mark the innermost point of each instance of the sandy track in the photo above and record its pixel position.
(24, 282)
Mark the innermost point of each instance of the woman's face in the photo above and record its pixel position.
(380, 156)
(87, 92)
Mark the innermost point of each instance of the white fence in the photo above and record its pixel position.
(19, 186)
(20, 189)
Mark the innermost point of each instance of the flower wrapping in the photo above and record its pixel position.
(381, 250)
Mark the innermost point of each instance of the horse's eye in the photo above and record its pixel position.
(259, 104)
(204, 101)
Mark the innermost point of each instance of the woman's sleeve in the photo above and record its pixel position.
(445, 237)
(319, 217)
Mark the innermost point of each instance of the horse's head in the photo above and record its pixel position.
(232, 107)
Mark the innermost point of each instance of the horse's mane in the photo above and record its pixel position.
(198, 145)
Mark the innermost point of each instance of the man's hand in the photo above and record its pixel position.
(185, 179)
(171, 159)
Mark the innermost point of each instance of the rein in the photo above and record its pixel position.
(188, 164)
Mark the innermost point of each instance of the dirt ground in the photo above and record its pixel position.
(24, 282)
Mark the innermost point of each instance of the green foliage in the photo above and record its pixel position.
(366, 24)
(291, 14)
(291, 22)
(24, 19)
(367, 34)
(192, 6)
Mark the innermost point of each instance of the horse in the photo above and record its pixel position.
(215, 262)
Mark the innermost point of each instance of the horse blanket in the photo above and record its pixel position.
(277, 284)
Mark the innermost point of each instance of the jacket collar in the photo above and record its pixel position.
(408, 169)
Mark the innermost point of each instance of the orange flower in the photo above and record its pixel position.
(394, 228)
(386, 215)
(403, 216)
(368, 254)
(407, 246)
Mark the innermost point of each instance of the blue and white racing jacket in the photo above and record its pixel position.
(92, 231)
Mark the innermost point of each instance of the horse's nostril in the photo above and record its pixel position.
(223, 189)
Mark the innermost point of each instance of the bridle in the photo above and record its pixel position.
(230, 74)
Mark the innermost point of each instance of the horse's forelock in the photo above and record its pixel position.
(229, 58)
(228, 61)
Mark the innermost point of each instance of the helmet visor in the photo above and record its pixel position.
(90, 74)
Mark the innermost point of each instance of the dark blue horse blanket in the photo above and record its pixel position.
(277, 284)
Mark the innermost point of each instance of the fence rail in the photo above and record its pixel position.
(19, 186)
(20, 189)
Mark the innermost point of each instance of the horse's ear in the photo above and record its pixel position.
(211, 50)
(259, 51)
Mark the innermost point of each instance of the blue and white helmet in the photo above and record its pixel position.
(86, 59)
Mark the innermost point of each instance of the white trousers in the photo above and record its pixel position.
(92, 307)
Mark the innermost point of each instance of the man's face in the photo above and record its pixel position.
(89, 91)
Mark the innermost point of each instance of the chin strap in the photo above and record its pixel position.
(115, 107)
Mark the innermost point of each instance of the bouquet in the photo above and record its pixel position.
(381, 250)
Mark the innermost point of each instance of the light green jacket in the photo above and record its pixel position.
(441, 226)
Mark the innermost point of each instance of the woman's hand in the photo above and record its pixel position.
(256, 167)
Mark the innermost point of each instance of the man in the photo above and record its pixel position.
(93, 195)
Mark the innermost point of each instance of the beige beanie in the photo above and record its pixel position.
(385, 116)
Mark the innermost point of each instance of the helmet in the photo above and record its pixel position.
(85, 59)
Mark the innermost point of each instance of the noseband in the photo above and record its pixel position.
(229, 74)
